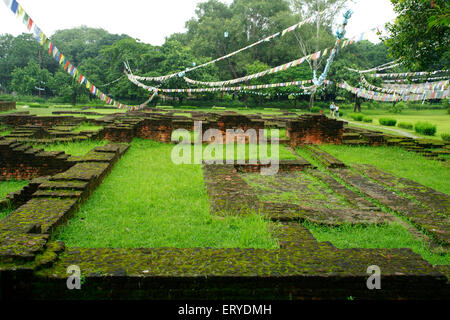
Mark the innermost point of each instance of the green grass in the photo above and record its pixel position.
(387, 236)
(48, 111)
(398, 161)
(254, 153)
(79, 148)
(147, 201)
(439, 118)
(281, 135)
(5, 212)
(4, 132)
(87, 127)
(7, 187)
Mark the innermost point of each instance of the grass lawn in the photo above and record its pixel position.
(4, 131)
(253, 152)
(440, 118)
(79, 148)
(87, 127)
(386, 236)
(7, 187)
(396, 160)
(147, 201)
(49, 111)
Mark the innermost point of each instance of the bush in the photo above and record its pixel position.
(367, 120)
(387, 122)
(37, 105)
(315, 109)
(406, 125)
(425, 128)
(445, 137)
(357, 116)
(448, 110)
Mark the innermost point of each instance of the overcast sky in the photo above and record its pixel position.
(150, 20)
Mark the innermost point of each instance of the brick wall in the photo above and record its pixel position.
(315, 129)
(7, 105)
(21, 162)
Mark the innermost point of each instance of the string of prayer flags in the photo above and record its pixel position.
(282, 33)
(407, 74)
(39, 36)
(384, 97)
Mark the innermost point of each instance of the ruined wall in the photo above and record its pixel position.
(22, 162)
(21, 119)
(7, 105)
(315, 129)
(155, 129)
(235, 122)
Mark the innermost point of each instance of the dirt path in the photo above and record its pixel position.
(400, 132)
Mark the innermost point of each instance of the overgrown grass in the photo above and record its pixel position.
(387, 236)
(7, 187)
(398, 161)
(87, 127)
(4, 131)
(147, 201)
(5, 212)
(79, 148)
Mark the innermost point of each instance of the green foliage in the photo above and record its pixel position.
(445, 137)
(415, 38)
(425, 128)
(367, 120)
(405, 125)
(397, 107)
(387, 122)
(315, 109)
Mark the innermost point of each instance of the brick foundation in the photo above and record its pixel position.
(7, 105)
(315, 129)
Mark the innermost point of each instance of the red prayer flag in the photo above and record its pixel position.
(30, 24)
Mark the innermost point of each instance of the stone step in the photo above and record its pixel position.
(64, 185)
(60, 194)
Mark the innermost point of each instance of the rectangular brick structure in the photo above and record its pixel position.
(315, 129)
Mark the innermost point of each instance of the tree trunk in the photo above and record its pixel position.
(357, 105)
(311, 100)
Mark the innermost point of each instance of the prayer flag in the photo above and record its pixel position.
(14, 6)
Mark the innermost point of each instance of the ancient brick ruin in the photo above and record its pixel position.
(33, 266)
(7, 105)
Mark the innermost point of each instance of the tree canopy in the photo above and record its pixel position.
(420, 35)
(215, 30)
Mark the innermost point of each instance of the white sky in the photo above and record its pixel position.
(151, 20)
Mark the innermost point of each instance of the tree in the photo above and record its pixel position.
(312, 38)
(416, 38)
(28, 79)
